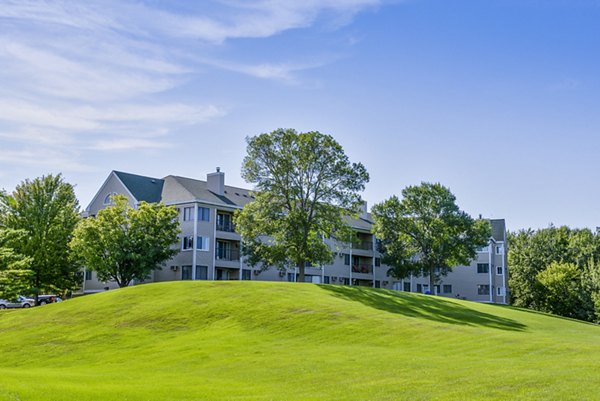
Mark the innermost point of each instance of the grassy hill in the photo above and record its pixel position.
(274, 341)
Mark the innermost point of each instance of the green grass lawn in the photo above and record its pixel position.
(280, 341)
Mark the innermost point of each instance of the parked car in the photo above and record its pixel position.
(21, 302)
(48, 299)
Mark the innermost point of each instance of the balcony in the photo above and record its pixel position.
(364, 245)
(362, 268)
(230, 255)
(226, 226)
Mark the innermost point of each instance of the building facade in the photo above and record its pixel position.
(210, 248)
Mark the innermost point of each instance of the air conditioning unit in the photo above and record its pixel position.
(174, 268)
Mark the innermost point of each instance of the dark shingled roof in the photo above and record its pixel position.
(142, 188)
(498, 229)
(232, 196)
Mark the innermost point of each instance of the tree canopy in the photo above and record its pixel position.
(305, 185)
(45, 212)
(555, 270)
(123, 244)
(425, 233)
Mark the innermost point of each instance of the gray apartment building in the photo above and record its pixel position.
(210, 249)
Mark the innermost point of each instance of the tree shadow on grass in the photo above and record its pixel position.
(424, 306)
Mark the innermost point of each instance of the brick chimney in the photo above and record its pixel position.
(215, 182)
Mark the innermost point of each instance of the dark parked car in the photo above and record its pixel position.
(48, 299)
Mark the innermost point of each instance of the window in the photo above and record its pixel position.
(483, 249)
(483, 268)
(186, 272)
(346, 280)
(108, 200)
(406, 286)
(447, 288)
(201, 272)
(499, 270)
(224, 222)
(203, 243)
(347, 259)
(500, 291)
(246, 274)
(203, 214)
(377, 284)
(291, 277)
(188, 213)
(326, 280)
(187, 242)
(88, 275)
(499, 250)
(377, 262)
(419, 288)
(483, 289)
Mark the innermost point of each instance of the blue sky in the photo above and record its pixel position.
(496, 99)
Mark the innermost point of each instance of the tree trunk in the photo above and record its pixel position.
(432, 280)
(301, 265)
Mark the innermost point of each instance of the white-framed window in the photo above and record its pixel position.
(201, 272)
(187, 242)
(108, 200)
(500, 291)
(203, 243)
(499, 270)
(186, 272)
(483, 268)
(483, 289)
(203, 214)
(447, 288)
(499, 249)
(188, 213)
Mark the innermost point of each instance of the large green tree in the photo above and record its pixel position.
(15, 276)
(305, 185)
(123, 244)
(46, 211)
(425, 233)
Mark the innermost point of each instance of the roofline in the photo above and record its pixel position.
(113, 172)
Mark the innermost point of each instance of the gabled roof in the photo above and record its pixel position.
(232, 196)
(147, 189)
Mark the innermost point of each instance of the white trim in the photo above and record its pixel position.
(181, 202)
(104, 185)
(214, 232)
(195, 239)
(373, 261)
(127, 189)
(490, 274)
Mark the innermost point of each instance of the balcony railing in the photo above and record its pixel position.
(362, 269)
(364, 245)
(228, 254)
(226, 226)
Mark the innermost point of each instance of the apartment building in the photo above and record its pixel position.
(210, 248)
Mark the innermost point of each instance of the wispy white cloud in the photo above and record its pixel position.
(96, 76)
